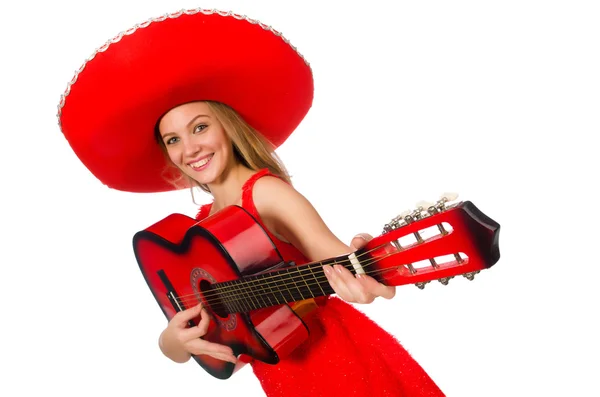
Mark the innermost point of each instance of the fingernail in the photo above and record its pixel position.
(327, 270)
(338, 268)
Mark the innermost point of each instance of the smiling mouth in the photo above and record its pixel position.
(202, 163)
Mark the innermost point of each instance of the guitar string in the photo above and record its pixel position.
(301, 272)
(240, 292)
(259, 289)
(305, 268)
(241, 299)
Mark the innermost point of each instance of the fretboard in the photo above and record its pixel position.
(287, 285)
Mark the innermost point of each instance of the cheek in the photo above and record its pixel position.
(173, 155)
(226, 144)
(222, 144)
(227, 152)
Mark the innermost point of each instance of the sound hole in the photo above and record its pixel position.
(213, 299)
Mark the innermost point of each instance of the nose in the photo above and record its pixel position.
(191, 147)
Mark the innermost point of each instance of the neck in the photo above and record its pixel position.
(227, 190)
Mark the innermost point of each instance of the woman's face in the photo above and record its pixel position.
(196, 142)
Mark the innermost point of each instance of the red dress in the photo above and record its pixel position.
(346, 354)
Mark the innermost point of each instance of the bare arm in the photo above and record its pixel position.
(289, 214)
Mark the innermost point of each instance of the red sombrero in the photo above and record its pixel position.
(111, 106)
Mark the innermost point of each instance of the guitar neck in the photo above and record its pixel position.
(460, 240)
(287, 285)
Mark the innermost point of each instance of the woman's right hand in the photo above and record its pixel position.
(179, 341)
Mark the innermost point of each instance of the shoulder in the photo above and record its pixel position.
(271, 187)
(273, 196)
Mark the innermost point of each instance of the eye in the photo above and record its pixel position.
(172, 140)
(199, 128)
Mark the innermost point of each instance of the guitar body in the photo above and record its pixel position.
(182, 258)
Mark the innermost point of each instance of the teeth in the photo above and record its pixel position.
(201, 162)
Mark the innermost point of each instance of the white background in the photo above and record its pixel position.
(498, 101)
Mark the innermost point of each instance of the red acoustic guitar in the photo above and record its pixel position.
(228, 263)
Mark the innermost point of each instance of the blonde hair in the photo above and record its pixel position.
(250, 148)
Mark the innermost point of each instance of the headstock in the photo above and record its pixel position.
(436, 241)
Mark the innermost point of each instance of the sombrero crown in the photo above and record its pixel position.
(110, 108)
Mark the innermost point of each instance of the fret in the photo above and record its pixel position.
(240, 301)
(282, 286)
(222, 293)
(273, 292)
(258, 291)
(295, 274)
(293, 278)
(299, 271)
(245, 295)
(325, 286)
(315, 277)
(266, 294)
(241, 296)
(287, 285)
(232, 299)
(251, 296)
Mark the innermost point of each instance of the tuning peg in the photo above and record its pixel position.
(404, 214)
(396, 222)
(471, 275)
(424, 205)
(444, 280)
(401, 217)
(445, 198)
(388, 227)
(421, 285)
(449, 196)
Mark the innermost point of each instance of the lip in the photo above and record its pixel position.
(198, 159)
(203, 166)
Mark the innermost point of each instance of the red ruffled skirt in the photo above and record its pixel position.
(348, 355)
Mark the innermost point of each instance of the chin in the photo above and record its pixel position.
(207, 176)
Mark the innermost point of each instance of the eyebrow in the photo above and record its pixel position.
(196, 118)
(188, 124)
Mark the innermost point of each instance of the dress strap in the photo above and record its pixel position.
(204, 211)
(249, 185)
(247, 201)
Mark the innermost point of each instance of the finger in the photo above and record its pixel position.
(355, 284)
(182, 317)
(199, 330)
(337, 285)
(350, 287)
(360, 240)
(199, 346)
(386, 291)
(363, 284)
(376, 288)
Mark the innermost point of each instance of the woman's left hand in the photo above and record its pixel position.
(359, 288)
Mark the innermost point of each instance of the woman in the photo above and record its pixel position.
(218, 110)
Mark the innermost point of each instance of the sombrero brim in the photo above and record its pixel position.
(109, 110)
